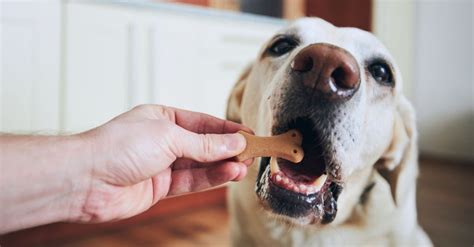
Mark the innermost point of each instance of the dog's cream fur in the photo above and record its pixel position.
(383, 122)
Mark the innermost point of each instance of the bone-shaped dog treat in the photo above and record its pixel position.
(286, 146)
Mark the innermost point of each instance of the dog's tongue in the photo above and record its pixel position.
(307, 171)
(301, 178)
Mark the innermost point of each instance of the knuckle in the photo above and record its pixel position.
(157, 111)
(142, 107)
(207, 148)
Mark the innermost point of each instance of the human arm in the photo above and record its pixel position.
(117, 170)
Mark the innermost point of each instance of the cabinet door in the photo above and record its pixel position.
(117, 57)
(29, 86)
(96, 86)
(198, 60)
(227, 53)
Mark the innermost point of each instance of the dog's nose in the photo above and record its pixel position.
(329, 69)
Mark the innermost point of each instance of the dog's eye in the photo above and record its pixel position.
(381, 73)
(282, 46)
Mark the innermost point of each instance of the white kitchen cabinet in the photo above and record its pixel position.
(121, 55)
(30, 66)
(197, 61)
(68, 66)
(96, 81)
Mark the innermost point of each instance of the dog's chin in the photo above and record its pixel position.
(305, 193)
(284, 200)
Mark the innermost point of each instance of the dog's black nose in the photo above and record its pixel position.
(328, 69)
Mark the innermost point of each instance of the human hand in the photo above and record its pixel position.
(152, 152)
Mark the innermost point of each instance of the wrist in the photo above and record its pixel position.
(71, 159)
(82, 160)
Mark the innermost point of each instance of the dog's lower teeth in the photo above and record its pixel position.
(295, 188)
(281, 180)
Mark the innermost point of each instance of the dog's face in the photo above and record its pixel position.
(340, 88)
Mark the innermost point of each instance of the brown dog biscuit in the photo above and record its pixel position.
(286, 146)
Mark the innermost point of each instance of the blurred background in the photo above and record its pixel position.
(68, 66)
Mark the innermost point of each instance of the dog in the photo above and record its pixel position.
(356, 185)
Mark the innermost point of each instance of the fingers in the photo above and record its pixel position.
(161, 183)
(193, 121)
(204, 123)
(189, 163)
(193, 180)
(206, 148)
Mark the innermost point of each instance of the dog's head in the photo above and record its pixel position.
(342, 89)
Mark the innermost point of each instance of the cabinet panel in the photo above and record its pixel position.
(117, 57)
(16, 92)
(30, 45)
(96, 67)
(196, 65)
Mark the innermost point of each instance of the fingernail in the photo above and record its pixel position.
(235, 142)
(242, 173)
(248, 162)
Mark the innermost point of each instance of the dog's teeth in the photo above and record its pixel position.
(302, 187)
(318, 184)
(274, 168)
(285, 180)
(278, 178)
(295, 188)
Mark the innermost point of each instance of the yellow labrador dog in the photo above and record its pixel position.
(356, 185)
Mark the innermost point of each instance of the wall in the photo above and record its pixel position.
(394, 25)
(444, 77)
(432, 43)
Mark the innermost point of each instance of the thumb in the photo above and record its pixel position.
(208, 147)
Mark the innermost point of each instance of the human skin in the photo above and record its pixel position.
(116, 170)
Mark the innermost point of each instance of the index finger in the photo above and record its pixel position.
(193, 180)
(203, 123)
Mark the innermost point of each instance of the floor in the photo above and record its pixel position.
(446, 202)
(203, 227)
(445, 208)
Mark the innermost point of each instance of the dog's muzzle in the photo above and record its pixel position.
(321, 78)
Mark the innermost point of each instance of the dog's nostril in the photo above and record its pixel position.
(339, 77)
(342, 78)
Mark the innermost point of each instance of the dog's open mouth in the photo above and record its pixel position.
(308, 189)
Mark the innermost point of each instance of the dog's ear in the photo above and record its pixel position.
(234, 102)
(402, 150)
